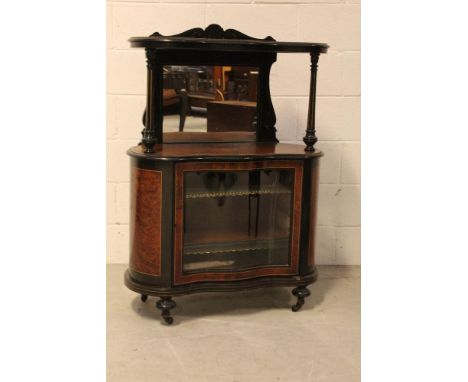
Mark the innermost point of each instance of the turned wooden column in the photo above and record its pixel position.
(152, 133)
(310, 139)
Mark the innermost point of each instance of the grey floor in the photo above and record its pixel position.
(237, 337)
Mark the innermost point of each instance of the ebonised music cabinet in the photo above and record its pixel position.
(217, 203)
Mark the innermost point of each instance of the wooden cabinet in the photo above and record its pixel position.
(220, 215)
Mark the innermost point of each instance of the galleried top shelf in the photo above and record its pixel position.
(215, 38)
(212, 86)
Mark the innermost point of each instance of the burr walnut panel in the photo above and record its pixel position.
(145, 221)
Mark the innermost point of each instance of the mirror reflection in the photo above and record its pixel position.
(209, 99)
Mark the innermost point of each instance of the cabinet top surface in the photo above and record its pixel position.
(211, 44)
(215, 38)
(254, 150)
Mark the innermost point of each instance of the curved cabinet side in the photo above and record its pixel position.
(314, 186)
(309, 215)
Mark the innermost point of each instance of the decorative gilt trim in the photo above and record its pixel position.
(197, 195)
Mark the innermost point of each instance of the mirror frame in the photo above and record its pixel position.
(265, 130)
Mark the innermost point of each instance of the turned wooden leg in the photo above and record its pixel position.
(165, 304)
(301, 293)
(144, 297)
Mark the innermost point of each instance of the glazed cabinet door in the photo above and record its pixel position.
(236, 220)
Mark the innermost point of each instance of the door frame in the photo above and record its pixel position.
(276, 270)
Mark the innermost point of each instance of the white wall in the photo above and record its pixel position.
(338, 99)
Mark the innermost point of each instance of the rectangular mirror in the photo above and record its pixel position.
(209, 103)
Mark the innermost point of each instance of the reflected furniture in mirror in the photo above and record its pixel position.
(217, 203)
(206, 94)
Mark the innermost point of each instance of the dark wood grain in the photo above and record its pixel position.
(145, 221)
(290, 269)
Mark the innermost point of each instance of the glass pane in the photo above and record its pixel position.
(210, 103)
(236, 220)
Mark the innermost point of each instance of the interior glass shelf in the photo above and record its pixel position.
(249, 246)
(235, 255)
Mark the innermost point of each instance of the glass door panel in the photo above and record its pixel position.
(235, 220)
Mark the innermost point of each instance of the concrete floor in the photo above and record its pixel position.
(237, 337)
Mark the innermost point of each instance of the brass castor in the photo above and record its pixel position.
(301, 293)
(165, 304)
